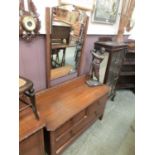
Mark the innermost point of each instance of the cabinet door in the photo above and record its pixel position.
(114, 68)
(33, 145)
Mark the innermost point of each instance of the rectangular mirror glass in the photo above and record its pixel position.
(68, 27)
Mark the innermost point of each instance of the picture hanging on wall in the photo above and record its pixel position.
(105, 11)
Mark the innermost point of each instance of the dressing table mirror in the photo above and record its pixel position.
(66, 29)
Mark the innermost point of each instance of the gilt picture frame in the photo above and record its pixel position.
(105, 11)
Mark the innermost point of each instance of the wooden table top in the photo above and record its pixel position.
(60, 103)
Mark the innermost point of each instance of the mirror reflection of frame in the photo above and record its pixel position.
(66, 28)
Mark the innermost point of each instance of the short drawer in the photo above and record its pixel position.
(98, 107)
(80, 125)
(92, 108)
(66, 136)
(70, 123)
(64, 128)
(79, 116)
(63, 139)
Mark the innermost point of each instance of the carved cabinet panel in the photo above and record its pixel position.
(116, 55)
(116, 61)
(127, 75)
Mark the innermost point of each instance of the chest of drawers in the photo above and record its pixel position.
(69, 109)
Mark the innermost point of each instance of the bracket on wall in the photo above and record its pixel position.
(29, 23)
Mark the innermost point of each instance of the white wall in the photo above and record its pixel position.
(93, 28)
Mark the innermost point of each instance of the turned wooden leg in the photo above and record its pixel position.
(113, 97)
(33, 101)
(31, 94)
(100, 118)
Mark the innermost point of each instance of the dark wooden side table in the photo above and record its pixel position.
(27, 95)
(116, 55)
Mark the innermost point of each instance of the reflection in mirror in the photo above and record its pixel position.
(68, 29)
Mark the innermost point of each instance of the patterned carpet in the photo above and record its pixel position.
(114, 135)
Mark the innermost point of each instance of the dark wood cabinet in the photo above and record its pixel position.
(127, 75)
(116, 55)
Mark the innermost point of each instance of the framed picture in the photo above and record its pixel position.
(105, 11)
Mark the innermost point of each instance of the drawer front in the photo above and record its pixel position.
(79, 116)
(64, 128)
(97, 108)
(70, 123)
(64, 138)
(61, 140)
(64, 133)
(82, 123)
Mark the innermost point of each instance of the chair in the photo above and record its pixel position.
(27, 96)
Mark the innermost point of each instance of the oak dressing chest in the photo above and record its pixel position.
(69, 109)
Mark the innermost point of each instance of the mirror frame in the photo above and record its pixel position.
(48, 21)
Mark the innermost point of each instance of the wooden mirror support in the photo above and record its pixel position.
(65, 38)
